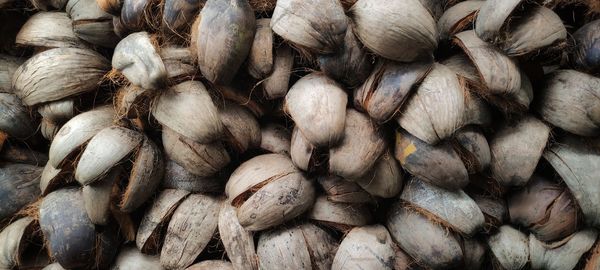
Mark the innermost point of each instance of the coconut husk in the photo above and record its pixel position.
(192, 226)
(491, 18)
(91, 23)
(545, 209)
(242, 128)
(320, 28)
(473, 148)
(303, 246)
(263, 5)
(238, 242)
(362, 144)
(16, 154)
(367, 247)
(131, 257)
(112, 7)
(477, 111)
(407, 34)
(575, 110)
(41, 78)
(350, 65)
(340, 215)
(203, 160)
(388, 87)
(146, 173)
(49, 30)
(564, 254)
(225, 36)
(586, 47)
(340, 190)
(178, 15)
(8, 66)
(132, 101)
(317, 105)
(428, 242)
(212, 265)
(178, 62)
(19, 186)
(15, 119)
(136, 14)
(58, 111)
(385, 178)
(188, 109)
(304, 155)
(516, 149)
(104, 151)
(494, 210)
(474, 252)
(538, 29)
(177, 177)
(97, 197)
(437, 108)
(49, 129)
(51, 179)
(458, 18)
(276, 85)
(437, 164)
(14, 239)
(260, 59)
(77, 132)
(275, 139)
(137, 58)
(464, 67)
(509, 248)
(119, 27)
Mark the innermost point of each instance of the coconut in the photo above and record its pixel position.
(133, 14)
(320, 28)
(177, 177)
(260, 59)
(368, 247)
(317, 105)
(276, 85)
(407, 33)
(540, 28)
(458, 18)
(15, 119)
(509, 247)
(238, 242)
(58, 111)
(275, 139)
(137, 58)
(178, 15)
(42, 78)
(494, 210)
(14, 239)
(388, 87)
(340, 190)
(131, 257)
(339, 215)
(18, 187)
(224, 38)
(350, 65)
(178, 62)
(564, 254)
(97, 197)
(492, 16)
(385, 178)
(8, 66)
(587, 46)
(112, 7)
(212, 265)
(12, 153)
(91, 23)
(51, 178)
(49, 30)
(473, 148)
(304, 155)
(241, 127)
(303, 246)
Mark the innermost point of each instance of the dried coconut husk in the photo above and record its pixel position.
(58, 111)
(52, 178)
(540, 28)
(509, 248)
(188, 109)
(516, 149)
(275, 139)
(225, 35)
(546, 209)
(350, 65)
(238, 242)
(178, 15)
(242, 129)
(276, 85)
(499, 75)
(340, 190)
(492, 16)
(362, 144)
(16, 154)
(245, 97)
(112, 7)
(49, 129)
(474, 252)
(177, 177)
(341, 216)
(91, 23)
(149, 235)
(260, 59)
(494, 210)
(303, 246)
(576, 161)
(76, 132)
(15, 119)
(70, 235)
(388, 87)
(304, 155)
(587, 47)
(473, 148)
(437, 108)
(104, 151)
(438, 164)
(564, 254)
(48, 4)
(97, 197)
(136, 14)
(119, 28)
(317, 104)
(385, 178)
(42, 78)
(569, 101)
(137, 58)
(425, 240)
(15, 238)
(454, 208)
(203, 160)
(464, 67)
(132, 101)
(192, 226)
(320, 28)
(146, 173)
(367, 247)
(407, 34)
(593, 261)
(132, 258)
(258, 191)
(179, 63)
(49, 30)
(458, 18)
(18, 187)
(477, 111)
(8, 66)
(212, 265)
(263, 6)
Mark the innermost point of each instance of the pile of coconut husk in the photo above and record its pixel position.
(299, 134)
